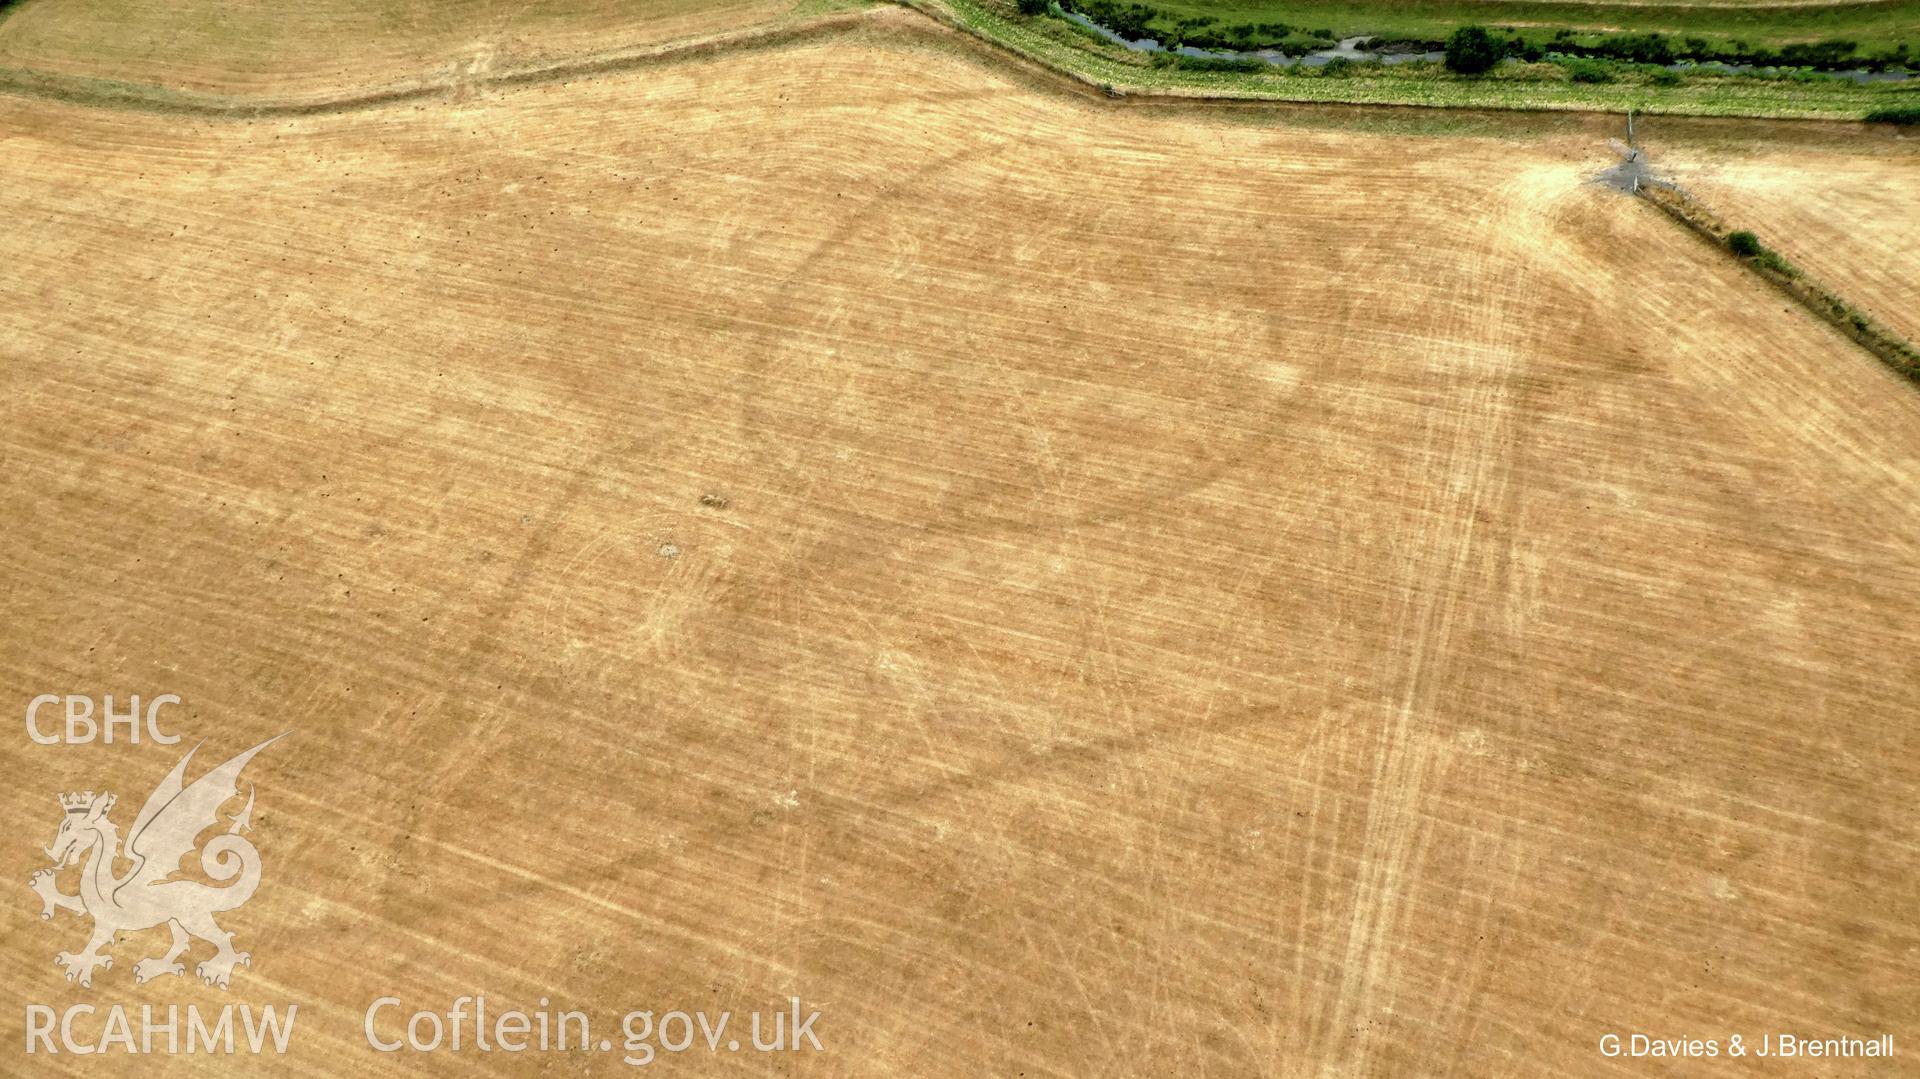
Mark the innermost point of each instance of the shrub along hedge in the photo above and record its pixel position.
(1590, 71)
(1472, 50)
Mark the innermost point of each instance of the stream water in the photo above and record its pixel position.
(1350, 49)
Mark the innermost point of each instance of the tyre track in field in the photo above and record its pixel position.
(1466, 501)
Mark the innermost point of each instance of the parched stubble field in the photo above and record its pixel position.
(1063, 590)
(316, 46)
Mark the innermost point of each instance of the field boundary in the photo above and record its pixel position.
(1822, 302)
(149, 97)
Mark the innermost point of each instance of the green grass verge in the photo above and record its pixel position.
(1895, 114)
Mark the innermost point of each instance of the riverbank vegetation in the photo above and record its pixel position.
(1609, 73)
(1743, 34)
(1738, 41)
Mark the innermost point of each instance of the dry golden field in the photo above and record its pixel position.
(315, 46)
(1062, 590)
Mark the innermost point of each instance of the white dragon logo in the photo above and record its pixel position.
(146, 895)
